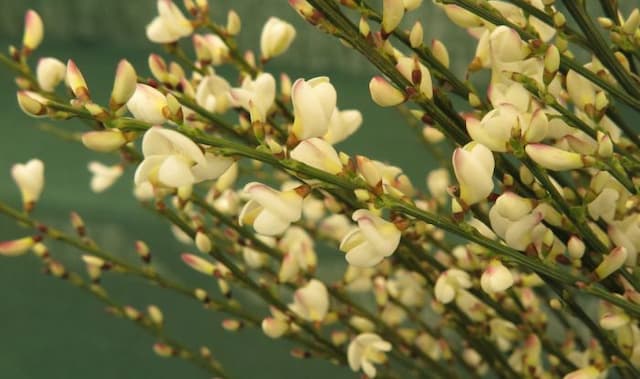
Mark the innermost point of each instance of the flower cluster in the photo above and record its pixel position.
(485, 276)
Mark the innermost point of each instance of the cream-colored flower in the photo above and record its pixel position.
(173, 160)
(314, 102)
(317, 153)
(213, 94)
(374, 240)
(448, 284)
(270, 211)
(170, 25)
(366, 350)
(255, 96)
(148, 104)
(473, 165)
(30, 180)
(276, 37)
(50, 72)
(311, 302)
(496, 278)
(103, 176)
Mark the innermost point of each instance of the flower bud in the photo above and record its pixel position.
(276, 37)
(611, 262)
(29, 178)
(274, 328)
(613, 321)
(605, 146)
(416, 36)
(155, 314)
(319, 154)
(203, 243)
(575, 247)
(496, 278)
(148, 104)
(553, 158)
(163, 350)
(233, 23)
(392, 13)
(17, 247)
(552, 59)
(364, 28)
(76, 81)
(124, 85)
(198, 264)
(473, 165)
(33, 31)
(411, 5)
(385, 94)
(50, 72)
(314, 102)
(158, 67)
(632, 22)
(32, 103)
(440, 52)
(104, 140)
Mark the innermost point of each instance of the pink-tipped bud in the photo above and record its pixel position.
(76, 81)
(124, 85)
(612, 262)
(496, 278)
(552, 59)
(17, 247)
(231, 325)
(274, 327)
(198, 264)
(143, 250)
(104, 141)
(33, 31)
(384, 94)
(163, 350)
(553, 158)
(159, 68)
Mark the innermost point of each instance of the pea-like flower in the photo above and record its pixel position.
(30, 180)
(448, 284)
(374, 240)
(314, 102)
(366, 350)
(319, 154)
(50, 72)
(255, 96)
(270, 211)
(473, 165)
(213, 94)
(103, 176)
(173, 160)
(170, 25)
(311, 302)
(148, 104)
(276, 37)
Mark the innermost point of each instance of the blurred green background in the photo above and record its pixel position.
(50, 329)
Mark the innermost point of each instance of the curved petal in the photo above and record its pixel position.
(147, 169)
(270, 224)
(212, 167)
(175, 172)
(364, 255)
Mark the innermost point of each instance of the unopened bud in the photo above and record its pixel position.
(392, 13)
(416, 36)
(33, 104)
(233, 23)
(611, 262)
(76, 81)
(163, 350)
(17, 247)
(124, 85)
(155, 315)
(384, 94)
(231, 324)
(198, 264)
(605, 146)
(104, 141)
(440, 52)
(33, 31)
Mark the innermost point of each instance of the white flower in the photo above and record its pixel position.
(103, 176)
(319, 154)
(50, 72)
(342, 124)
(496, 278)
(314, 102)
(173, 160)
(275, 326)
(255, 96)
(276, 37)
(336, 227)
(365, 350)
(148, 104)
(270, 211)
(473, 165)
(311, 302)
(448, 284)
(170, 25)
(299, 254)
(213, 94)
(438, 183)
(384, 94)
(374, 240)
(30, 180)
